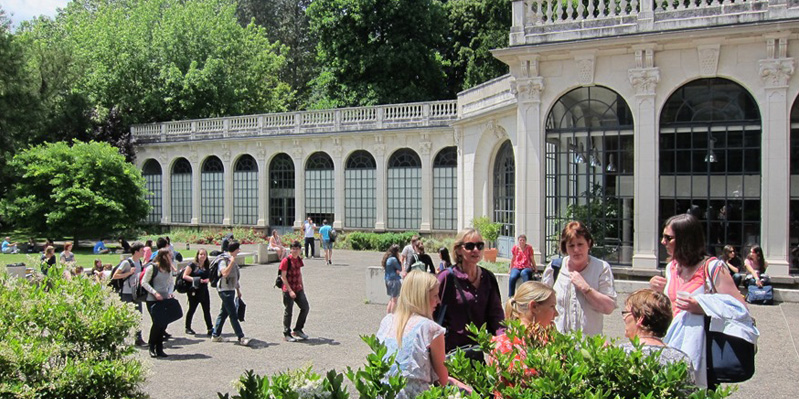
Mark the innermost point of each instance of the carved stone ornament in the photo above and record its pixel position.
(644, 80)
(708, 59)
(336, 150)
(585, 70)
(296, 149)
(527, 90)
(424, 147)
(493, 127)
(379, 150)
(776, 72)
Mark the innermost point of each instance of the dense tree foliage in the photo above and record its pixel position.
(286, 22)
(77, 190)
(378, 51)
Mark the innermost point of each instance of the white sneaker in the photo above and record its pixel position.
(217, 339)
(244, 341)
(299, 335)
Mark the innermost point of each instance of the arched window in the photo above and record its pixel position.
(589, 171)
(212, 191)
(794, 211)
(152, 184)
(319, 188)
(404, 190)
(710, 134)
(245, 191)
(281, 191)
(505, 189)
(359, 190)
(445, 189)
(181, 192)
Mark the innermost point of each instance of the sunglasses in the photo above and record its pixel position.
(667, 238)
(624, 313)
(472, 245)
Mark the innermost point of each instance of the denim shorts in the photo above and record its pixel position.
(327, 244)
(393, 288)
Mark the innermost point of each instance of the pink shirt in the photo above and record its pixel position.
(521, 259)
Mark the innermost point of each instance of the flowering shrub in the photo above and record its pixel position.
(66, 339)
(213, 236)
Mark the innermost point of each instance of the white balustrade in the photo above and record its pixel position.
(413, 114)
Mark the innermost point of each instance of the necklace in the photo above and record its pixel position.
(652, 337)
(476, 277)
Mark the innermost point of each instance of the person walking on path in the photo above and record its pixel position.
(129, 271)
(522, 264)
(229, 289)
(406, 257)
(197, 274)
(160, 286)
(309, 227)
(327, 243)
(392, 268)
(291, 274)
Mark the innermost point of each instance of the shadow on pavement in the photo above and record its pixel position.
(321, 341)
(188, 356)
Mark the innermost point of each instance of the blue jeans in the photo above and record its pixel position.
(228, 309)
(526, 275)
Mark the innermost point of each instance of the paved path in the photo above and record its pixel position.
(339, 314)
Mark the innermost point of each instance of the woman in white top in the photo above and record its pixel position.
(276, 245)
(416, 339)
(584, 287)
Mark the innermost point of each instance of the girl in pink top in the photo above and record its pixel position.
(522, 264)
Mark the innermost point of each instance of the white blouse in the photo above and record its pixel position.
(574, 310)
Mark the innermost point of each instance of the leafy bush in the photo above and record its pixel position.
(488, 229)
(213, 236)
(364, 241)
(66, 339)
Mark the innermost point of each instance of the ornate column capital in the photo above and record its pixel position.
(777, 68)
(425, 147)
(296, 149)
(527, 89)
(645, 76)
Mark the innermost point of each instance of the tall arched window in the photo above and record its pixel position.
(404, 186)
(320, 188)
(181, 192)
(359, 190)
(710, 138)
(794, 211)
(589, 171)
(281, 191)
(445, 189)
(152, 184)
(245, 191)
(212, 191)
(505, 189)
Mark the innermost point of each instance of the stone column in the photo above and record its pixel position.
(644, 79)
(427, 185)
(529, 154)
(194, 159)
(166, 191)
(775, 202)
(462, 178)
(263, 186)
(299, 184)
(339, 164)
(227, 204)
(379, 152)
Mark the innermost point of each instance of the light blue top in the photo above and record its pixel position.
(392, 267)
(99, 247)
(413, 358)
(6, 246)
(325, 232)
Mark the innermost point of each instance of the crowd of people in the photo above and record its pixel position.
(576, 294)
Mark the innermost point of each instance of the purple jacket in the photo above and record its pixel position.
(484, 305)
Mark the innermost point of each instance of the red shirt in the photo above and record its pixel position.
(521, 258)
(293, 273)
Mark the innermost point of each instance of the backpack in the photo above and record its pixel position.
(116, 284)
(140, 294)
(181, 285)
(213, 270)
(333, 234)
(279, 280)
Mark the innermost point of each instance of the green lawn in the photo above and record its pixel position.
(83, 258)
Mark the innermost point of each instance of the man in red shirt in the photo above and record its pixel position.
(291, 273)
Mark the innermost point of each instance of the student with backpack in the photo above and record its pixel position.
(124, 279)
(196, 274)
(224, 275)
(326, 231)
(158, 283)
(291, 274)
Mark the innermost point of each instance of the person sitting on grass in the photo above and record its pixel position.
(9, 247)
(100, 248)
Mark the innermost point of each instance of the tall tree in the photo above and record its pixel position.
(78, 190)
(378, 51)
(476, 27)
(286, 22)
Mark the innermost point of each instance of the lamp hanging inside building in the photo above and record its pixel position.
(711, 155)
(579, 156)
(611, 165)
(595, 161)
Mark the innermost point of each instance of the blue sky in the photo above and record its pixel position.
(26, 9)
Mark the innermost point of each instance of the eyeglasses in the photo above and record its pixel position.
(667, 238)
(624, 313)
(472, 245)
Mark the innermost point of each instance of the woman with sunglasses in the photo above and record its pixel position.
(584, 286)
(690, 273)
(469, 294)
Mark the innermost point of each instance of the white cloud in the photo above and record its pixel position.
(22, 10)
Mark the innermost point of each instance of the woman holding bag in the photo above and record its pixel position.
(161, 303)
(197, 274)
(689, 274)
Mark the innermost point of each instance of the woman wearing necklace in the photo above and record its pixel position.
(584, 286)
(647, 315)
(470, 294)
(688, 274)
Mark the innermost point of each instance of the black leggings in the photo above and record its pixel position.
(157, 331)
(199, 297)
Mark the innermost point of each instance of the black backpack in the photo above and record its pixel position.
(333, 234)
(279, 281)
(181, 285)
(213, 270)
(140, 294)
(116, 284)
